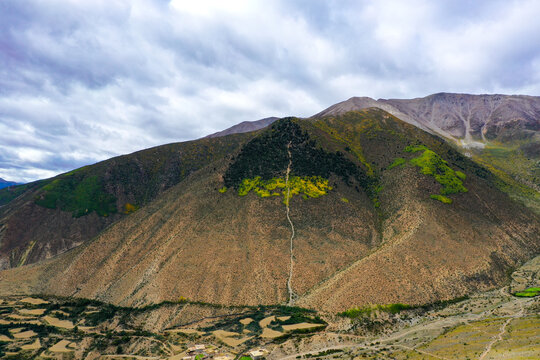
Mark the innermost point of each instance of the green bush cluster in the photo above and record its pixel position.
(432, 164)
(441, 198)
(397, 162)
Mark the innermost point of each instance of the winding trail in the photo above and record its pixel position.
(502, 331)
(445, 322)
(289, 280)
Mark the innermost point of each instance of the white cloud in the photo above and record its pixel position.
(84, 81)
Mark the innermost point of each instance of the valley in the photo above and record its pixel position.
(485, 325)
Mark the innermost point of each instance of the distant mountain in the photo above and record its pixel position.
(502, 132)
(329, 213)
(5, 183)
(456, 116)
(245, 126)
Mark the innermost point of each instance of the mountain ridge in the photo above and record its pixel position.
(245, 126)
(426, 107)
(6, 183)
(102, 194)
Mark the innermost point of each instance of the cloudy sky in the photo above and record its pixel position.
(82, 81)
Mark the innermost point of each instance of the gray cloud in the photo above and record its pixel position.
(84, 81)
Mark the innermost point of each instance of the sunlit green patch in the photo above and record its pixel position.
(461, 175)
(397, 162)
(441, 198)
(530, 292)
(80, 196)
(307, 186)
(432, 164)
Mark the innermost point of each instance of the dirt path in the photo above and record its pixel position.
(420, 351)
(289, 280)
(502, 331)
(441, 323)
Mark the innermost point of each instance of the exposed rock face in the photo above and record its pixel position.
(457, 116)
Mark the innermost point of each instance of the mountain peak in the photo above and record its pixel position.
(5, 183)
(473, 119)
(245, 126)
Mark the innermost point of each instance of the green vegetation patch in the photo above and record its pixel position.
(80, 196)
(432, 164)
(308, 186)
(461, 175)
(530, 292)
(441, 198)
(367, 310)
(397, 162)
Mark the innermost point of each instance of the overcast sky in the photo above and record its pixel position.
(82, 81)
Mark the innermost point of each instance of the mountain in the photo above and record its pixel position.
(457, 116)
(502, 132)
(329, 213)
(5, 183)
(244, 127)
(47, 217)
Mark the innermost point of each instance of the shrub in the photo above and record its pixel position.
(308, 186)
(129, 208)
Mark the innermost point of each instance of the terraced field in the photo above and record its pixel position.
(67, 328)
(487, 325)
